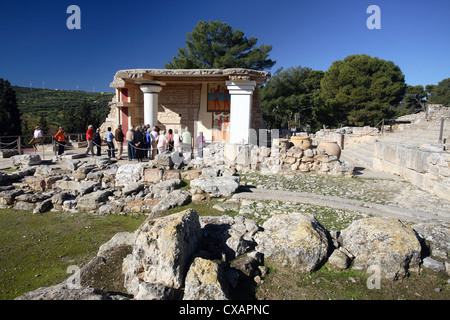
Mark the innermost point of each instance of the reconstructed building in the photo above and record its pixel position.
(224, 104)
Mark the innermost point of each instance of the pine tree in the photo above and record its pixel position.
(10, 123)
(216, 45)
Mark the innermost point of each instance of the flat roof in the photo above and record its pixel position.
(139, 76)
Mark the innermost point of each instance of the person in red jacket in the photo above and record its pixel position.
(90, 140)
(60, 140)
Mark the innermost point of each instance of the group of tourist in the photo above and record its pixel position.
(142, 141)
(146, 142)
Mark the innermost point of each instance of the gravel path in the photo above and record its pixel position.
(379, 197)
(338, 203)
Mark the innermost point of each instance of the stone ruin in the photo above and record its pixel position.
(184, 256)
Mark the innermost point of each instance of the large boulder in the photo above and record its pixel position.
(385, 243)
(162, 251)
(437, 238)
(81, 188)
(120, 239)
(162, 189)
(224, 186)
(174, 199)
(225, 237)
(8, 197)
(295, 242)
(129, 173)
(66, 291)
(205, 280)
(26, 160)
(92, 201)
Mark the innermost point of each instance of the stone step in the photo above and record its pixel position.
(357, 158)
(409, 140)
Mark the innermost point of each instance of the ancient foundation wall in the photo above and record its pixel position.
(426, 167)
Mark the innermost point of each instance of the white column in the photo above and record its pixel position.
(241, 93)
(151, 103)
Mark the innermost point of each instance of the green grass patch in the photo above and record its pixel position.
(36, 249)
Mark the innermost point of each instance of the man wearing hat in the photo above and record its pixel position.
(38, 137)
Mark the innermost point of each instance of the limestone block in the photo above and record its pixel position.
(224, 186)
(26, 160)
(162, 250)
(385, 243)
(296, 242)
(128, 173)
(205, 280)
(171, 174)
(153, 175)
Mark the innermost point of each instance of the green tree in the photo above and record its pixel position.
(288, 97)
(360, 90)
(216, 45)
(10, 122)
(70, 119)
(440, 93)
(414, 100)
(43, 124)
(76, 118)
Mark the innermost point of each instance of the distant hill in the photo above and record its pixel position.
(46, 106)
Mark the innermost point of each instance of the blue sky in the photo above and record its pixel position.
(37, 47)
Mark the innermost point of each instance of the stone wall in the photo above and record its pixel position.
(281, 157)
(435, 112)
(426, 167)
(345, 135)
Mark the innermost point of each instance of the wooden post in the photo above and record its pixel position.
(19, 145)
(441, 131)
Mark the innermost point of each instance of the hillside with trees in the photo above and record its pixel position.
(49, 109)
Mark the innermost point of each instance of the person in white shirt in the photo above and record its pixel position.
(38, 137)
(163, 142)
(38, 133)
(153, 136)
(177, 141)
(187, 143)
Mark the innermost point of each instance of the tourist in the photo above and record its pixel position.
(187, 140)
(170, 138)
(38, 137)
(110, 143)
(177, 141)
(162, 142)
(98, 142)
(154, 144)
(148, 138)
(200, 144)
(90, 140)
(118, 135)
(138, 140)
(130, 143)
(60, 138)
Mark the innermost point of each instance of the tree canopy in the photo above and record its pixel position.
(360, 90)
(10, 122)
(440, 93)
(288, 97)
(216, 45)
(414, 100)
